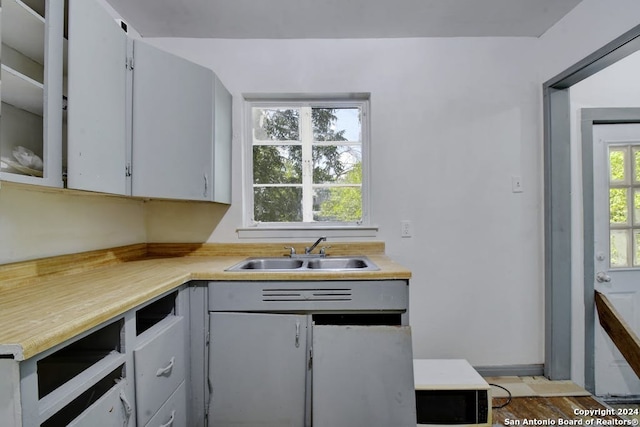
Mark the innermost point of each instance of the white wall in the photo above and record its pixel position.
(588, 27)
(455, 118)
(36, 223)
(452, 121)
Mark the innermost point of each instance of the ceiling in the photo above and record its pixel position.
(241, 19)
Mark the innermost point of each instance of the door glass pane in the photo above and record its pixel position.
(618, 206)
(617, 165)
(619, 243)
(636, 248)
(617, 162)
(636, 207)
(636, 164)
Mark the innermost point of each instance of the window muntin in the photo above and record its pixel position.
(307, 163)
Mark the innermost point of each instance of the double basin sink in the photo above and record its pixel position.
(347, 263)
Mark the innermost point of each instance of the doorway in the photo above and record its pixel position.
(558, 212)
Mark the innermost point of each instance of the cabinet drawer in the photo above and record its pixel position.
(112, 409)
(174, 412)
(159, 365)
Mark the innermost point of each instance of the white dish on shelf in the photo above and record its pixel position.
(7, 165)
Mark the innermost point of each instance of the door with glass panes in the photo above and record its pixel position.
(617, 247)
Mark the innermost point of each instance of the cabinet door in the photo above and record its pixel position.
(173, 103)
(257, 369)
(96, 119)
(363, 376)
(222, 144)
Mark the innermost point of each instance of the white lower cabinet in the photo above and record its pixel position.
(129, 371)
(310, 353)
(159, 362)
(257, 369)
(362, 376)
(289, 370)
(173, 413)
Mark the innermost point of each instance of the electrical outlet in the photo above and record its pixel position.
(405, 228)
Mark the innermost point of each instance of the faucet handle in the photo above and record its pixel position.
(292, 250)
(323, 250)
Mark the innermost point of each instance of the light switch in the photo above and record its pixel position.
(516, 184)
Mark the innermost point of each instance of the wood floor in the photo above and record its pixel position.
(554, 411)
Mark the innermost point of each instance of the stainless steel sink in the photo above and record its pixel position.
(271, 264)
(338, 263)
(347, 263)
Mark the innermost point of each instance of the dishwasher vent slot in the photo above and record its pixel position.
(324, 294)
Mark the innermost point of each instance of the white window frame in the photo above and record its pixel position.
(309, 229)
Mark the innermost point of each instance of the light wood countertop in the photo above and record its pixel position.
(39, 312)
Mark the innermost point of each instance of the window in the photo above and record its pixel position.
(624, 206)
(307, 163)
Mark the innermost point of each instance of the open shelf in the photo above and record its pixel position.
(19, 128)
(22, 91)
(23, 28)
(31, 76)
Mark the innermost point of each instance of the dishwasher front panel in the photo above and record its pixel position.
(306, 296)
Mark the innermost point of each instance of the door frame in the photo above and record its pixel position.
(589, 118)
(557, 201)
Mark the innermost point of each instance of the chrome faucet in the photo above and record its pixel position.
(308, 249)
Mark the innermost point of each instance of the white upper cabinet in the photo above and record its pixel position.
(31, 119)
(222, 144)
(142, 121)
(172, 126)
(97, 146)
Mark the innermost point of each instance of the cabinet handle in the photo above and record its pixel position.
(166, 369)
(206, 185)
(127, 407)
(297, 334)
(170, 422)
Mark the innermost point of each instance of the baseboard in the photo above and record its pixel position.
(511, 370)
(619, 400)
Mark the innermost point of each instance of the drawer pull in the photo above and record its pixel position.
(167, 369)
(126, 406)
(170, 422)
